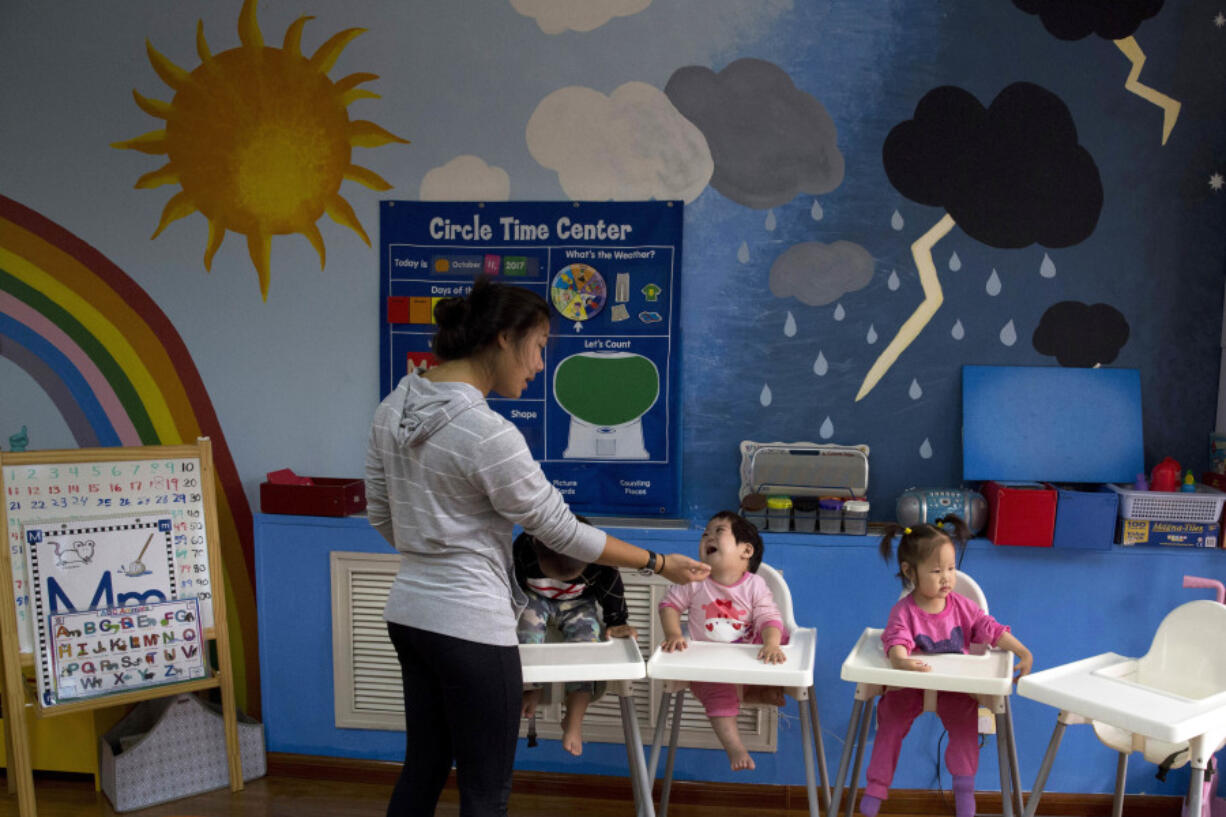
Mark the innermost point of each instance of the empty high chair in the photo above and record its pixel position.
(988, 676)
(1170, 704)
(739, 664)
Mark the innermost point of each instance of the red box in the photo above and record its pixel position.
(1021, 513)
(329, 496)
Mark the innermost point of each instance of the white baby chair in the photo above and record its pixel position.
(1170, 704)
(739, 664)
(987, 675)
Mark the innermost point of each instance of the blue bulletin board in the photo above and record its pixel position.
(603, 418)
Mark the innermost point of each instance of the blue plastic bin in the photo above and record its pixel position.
(1085, 519)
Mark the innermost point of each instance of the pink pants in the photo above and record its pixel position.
(897, 711)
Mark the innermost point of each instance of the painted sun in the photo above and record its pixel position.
(259, 139)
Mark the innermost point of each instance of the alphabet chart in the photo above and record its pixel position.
(40, 494)
(116, 649)
(92, 564)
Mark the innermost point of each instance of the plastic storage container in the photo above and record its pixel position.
(1202, 505)
(753, 508)
(779, 513)
(804, 514)
(830, 513)
(855, 517)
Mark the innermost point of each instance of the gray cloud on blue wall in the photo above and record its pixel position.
(817, 274)
(770, 140)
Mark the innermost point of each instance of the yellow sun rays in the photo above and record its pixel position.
(260, 139)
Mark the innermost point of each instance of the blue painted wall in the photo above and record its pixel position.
(1063, 604)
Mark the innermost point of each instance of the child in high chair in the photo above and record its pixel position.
(733, 605)
(565, 591)
(932, 618)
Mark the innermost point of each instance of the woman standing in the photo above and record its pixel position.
(447, 478)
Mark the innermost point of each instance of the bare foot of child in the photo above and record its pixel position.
(531, 698)
(772, 696)
(730, 738)
(572, 734)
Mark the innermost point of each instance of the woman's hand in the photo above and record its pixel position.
(622, 631)
(680, 569)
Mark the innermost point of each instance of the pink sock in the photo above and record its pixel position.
(964, 795)
(869, 805)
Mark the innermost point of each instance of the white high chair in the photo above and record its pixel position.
(987, 675)
(617, 661)
(1171, 702)
(739, 664)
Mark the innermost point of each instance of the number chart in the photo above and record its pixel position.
(40, 494)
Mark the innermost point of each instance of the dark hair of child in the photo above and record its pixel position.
(553, 564)
(469, 324)
(917, 543)
(744, 531)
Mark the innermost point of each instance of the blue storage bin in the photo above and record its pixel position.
(1085, 519)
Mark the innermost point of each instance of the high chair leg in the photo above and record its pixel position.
(806, 737)
(1002, 756)
(1015, 771)
(1121, 780)
(863, 739)
(1196, 790)
(840, 778)
(674, 735)
(638, 767)
(822, 768)
(657, 739)
(1032, 804)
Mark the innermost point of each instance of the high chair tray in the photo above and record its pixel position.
(617, 659)
(1094, 689)
(988, 674)
(737, 663)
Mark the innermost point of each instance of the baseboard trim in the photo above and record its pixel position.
(735, 797)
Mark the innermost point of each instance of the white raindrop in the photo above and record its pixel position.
(955, 263)
(742, 254)
(789, 326)
(765, 397)
(1048, 268)
(821, 365)
(926, 449)
(816, 210)
(896, 220)
(1008, 335)
(915, 392)
(827, 429)
(871, 337)
(839, 312)
(893, 283)
(993, 285)
(770, 221)
(958, 332)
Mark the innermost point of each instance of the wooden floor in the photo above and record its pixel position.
(74, 796)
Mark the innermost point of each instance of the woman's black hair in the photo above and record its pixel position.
(469, 324)
(744, 531)
(917, 543)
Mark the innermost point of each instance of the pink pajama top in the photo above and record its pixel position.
(953, 629)
(735, 613)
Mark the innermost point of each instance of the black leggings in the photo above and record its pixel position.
(461, 705)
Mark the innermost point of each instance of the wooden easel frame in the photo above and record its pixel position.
(16, 700)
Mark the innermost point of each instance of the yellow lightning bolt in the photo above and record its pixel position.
(921, 251)
(1170, 107)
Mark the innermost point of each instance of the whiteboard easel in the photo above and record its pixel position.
(16, 699)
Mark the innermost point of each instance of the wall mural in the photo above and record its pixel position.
(259, 139)
(118, 372)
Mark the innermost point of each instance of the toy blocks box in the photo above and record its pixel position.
(1020, 513)
(325, 496)
(1180, 534)
(1085, 519)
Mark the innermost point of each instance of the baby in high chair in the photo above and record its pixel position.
(566, 592)
(932, 618)
(732, 605)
